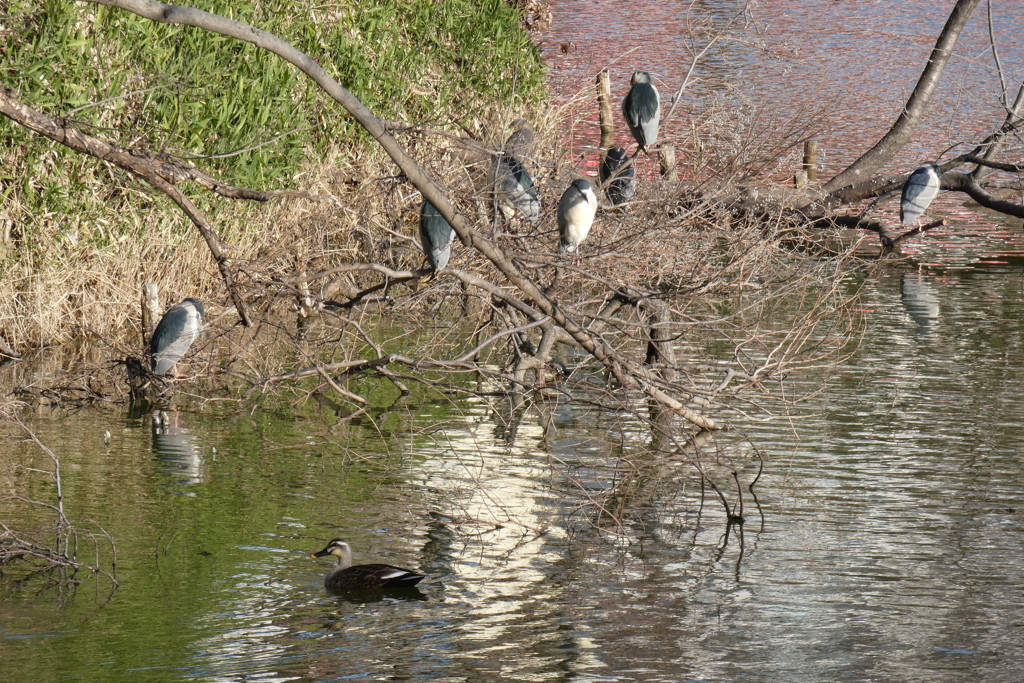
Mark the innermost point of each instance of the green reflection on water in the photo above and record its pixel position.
(237, 504)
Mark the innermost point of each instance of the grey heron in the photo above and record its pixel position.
(576, 211)
(918, 192)
(642, 110)
(346, 576)
(174, 335)
(436, 235)
(514, 191)
(618, 176)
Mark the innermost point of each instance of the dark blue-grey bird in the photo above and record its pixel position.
(576, 211)
(514, 194)
(436, 234)
(618, 176)
(345, 576)
(174, 335)
(918, 192)
(642, 110)
(520, 142)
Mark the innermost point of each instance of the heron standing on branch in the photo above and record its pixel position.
(514, 191)
(618, 176)
(436, 234)
(642, 110)
(174, 335)
(576, 211)
(918, 192)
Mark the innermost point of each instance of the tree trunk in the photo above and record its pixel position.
(892, 142)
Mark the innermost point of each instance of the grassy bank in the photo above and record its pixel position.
(79, 237)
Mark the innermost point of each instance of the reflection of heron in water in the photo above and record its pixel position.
(920, 299)
(176, 447)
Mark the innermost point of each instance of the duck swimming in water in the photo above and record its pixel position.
(345, 576)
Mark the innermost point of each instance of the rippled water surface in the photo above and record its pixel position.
(886, 543)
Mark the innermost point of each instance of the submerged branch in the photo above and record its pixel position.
(57, 546)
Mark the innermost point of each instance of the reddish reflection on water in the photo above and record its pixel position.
(785, 71)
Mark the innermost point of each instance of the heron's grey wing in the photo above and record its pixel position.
(173, 337)
(650, 114)
(525, 196)
(622, 189)
(436, 234)
(616, 167)
(642, 110)
(918, 192)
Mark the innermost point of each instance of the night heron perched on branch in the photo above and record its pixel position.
(576, 211)
(617, 168)
(436, 234)
(918, 192)
(642, 110)
(514, 192)
(174, 335)
(520, 142)
(346, 576)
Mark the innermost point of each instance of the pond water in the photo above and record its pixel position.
(840, 71)
(887, 542)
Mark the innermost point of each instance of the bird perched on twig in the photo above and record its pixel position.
(514, 193)
(436, 235)
(520, 142)
(576, 211)
(642, 110)
(174, 335)
(918, 192)
(618, 176)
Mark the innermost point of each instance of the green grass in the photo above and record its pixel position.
(183, 91)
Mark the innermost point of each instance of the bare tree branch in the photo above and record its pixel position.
(901, 131)
(628, 374)
(161, 175)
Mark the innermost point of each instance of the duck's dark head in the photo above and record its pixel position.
(336, 547)
(339, 549)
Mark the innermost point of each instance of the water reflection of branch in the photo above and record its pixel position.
(61, 555)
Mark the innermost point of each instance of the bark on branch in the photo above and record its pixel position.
(159, 174)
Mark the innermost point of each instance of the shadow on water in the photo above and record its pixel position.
(370, 596)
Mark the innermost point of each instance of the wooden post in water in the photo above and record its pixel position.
(811, 160)
(150, 310)
(604, 100)
(667, 162)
